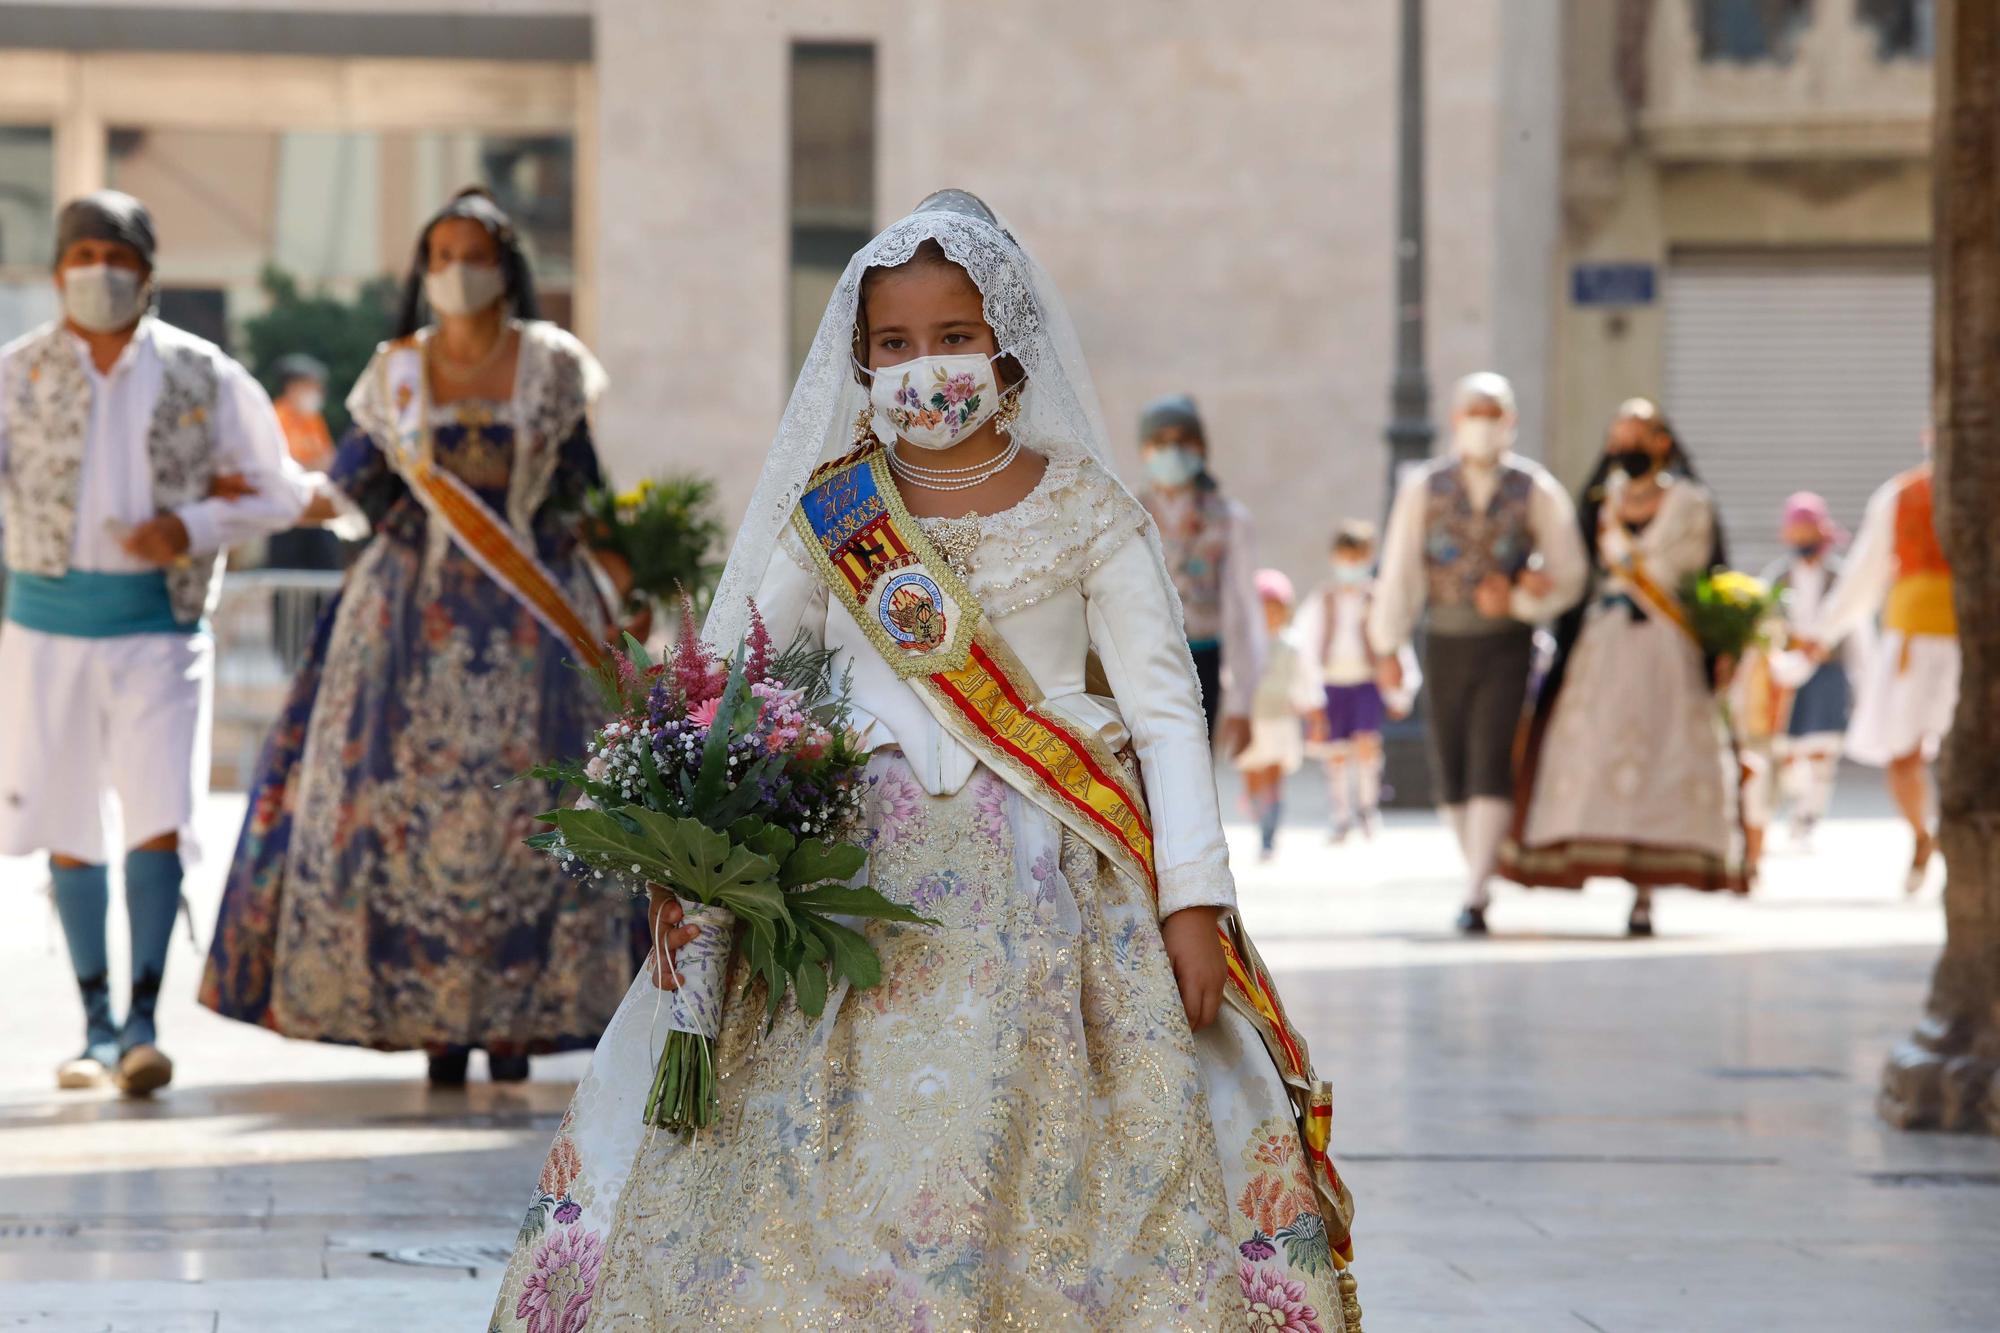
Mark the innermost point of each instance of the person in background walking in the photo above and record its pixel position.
(132, 454)
(1629, 780)
(1482, 546)
(1211, 553)
(1332, 632)
(301, 403)
(381, 894)
(1285, 696)
(1808, 751)
(1897, 570)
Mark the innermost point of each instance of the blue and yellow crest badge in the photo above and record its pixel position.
(911, 606)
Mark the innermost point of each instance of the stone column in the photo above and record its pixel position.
(1946, 1074)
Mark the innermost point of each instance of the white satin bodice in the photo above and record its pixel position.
(1062, 575)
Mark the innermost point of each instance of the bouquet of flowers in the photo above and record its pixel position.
(735, 783)
(662, 529)
(1727, 610)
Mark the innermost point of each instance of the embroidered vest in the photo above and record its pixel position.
(1920, 600)
(1462, 547)
(47, 422)
(1195, 542)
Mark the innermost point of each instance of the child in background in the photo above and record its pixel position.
(1285, 697)
(1347, 734)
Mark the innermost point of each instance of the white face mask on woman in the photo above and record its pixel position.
(1482, 439)
(101, 298)
(464, 289)
(934, 402)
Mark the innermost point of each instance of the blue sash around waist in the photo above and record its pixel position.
(83, 604)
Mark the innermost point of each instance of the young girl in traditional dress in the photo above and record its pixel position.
(1285, 697)
(380, 894)
(1054, 1110)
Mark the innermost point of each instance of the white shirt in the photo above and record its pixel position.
(116, 489)
(1866, 576)
(1402, 586)
(1347, 661)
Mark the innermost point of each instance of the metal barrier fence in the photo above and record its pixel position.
(263, 627)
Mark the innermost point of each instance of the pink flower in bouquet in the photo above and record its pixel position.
(557, 1294)
(814, 742)
(1277, 1302)
(697, 674)
(779, 716)
(703, 713)
(757, 648)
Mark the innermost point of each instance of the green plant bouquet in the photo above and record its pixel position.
(736, 784)
(663, 529)
(1727, 611)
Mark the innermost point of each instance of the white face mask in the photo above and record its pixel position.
(934, 402)
(463, 289)
(1482, 439)
(101, 298)
(1173, 465)
(309, 401)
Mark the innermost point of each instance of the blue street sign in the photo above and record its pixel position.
(1612, 284)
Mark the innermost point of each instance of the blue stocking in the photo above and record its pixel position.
(152, 901)
(83, 899)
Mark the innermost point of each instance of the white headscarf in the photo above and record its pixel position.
(1059, 410)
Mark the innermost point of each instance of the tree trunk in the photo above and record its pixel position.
(1946, 1074)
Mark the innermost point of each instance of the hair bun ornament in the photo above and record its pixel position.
(476, 192)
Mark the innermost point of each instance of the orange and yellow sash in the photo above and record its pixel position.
(876, 561)
(504, 555)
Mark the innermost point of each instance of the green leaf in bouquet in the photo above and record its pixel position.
(853, 956)
(748, 792)
(636, 651)
(809, 980)
(846, 900)
(815, 860)
(764, 838)
(713, 778)
(697, 861)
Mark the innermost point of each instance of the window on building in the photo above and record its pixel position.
(27, 227)
(832, 175)
(1904, 29)
(1752, 31)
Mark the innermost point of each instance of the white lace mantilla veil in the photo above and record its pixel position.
(1059, 417)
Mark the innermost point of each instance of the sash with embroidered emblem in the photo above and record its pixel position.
(504, 555)
(877, 563)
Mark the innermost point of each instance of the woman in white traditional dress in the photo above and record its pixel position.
(1631, 782)
(1057, 1109)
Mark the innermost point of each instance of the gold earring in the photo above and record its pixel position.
(864, 426)
(1008, 413)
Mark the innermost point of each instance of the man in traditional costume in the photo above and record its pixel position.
(1481, 546)
(1897, 570)
(115, 429)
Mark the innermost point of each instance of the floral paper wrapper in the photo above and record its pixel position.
(703, 966)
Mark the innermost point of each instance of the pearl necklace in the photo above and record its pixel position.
(953, 479)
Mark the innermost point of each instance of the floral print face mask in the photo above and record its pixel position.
(934, 402)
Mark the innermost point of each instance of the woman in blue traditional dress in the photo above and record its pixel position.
(381, 895)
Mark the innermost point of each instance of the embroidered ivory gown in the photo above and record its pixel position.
(1016, 1128)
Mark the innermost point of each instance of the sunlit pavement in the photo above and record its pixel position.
(1556, 1129)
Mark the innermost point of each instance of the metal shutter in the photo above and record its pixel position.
(1789, 373)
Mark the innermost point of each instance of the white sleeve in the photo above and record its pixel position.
(1242, 616)
(790, 597)
(1865, 576)
(1129, 616)
(1552, 520)
(249, 441)
(1308, 631)
(1399, 580)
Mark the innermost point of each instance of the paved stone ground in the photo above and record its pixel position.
(1554, 1130)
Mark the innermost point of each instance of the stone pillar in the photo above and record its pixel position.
(1946, 1074)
